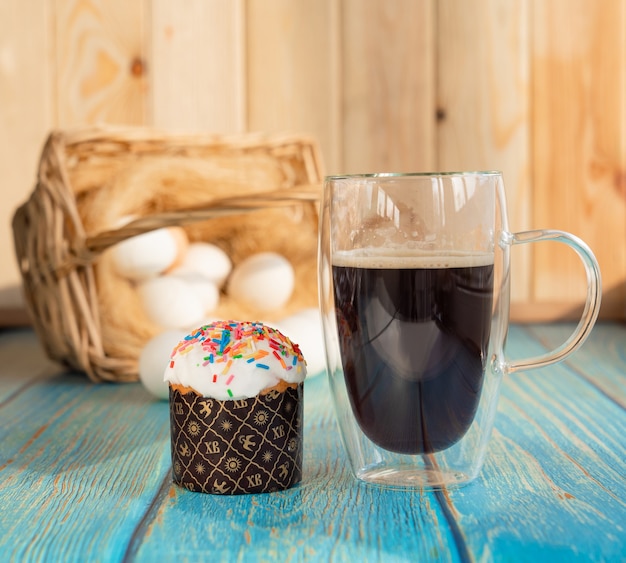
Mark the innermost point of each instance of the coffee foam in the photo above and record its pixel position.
(403, 259)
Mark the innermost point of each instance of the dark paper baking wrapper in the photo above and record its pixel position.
(236, 447)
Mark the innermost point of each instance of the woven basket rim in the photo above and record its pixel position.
(104, 132)
(67, 265)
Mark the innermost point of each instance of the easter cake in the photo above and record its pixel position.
(236, 391)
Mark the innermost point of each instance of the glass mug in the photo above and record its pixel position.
(414, 274)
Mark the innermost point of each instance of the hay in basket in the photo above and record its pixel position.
(246, 194)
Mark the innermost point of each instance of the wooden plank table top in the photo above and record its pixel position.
(85, 475)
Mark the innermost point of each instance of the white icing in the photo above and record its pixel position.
(229, 360)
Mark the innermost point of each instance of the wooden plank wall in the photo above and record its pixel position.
(534, 88)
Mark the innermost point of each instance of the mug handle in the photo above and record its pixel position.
(592, 303)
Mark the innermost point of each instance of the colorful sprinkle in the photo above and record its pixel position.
(225, 342)
(282, 362)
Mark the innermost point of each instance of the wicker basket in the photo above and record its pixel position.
(246, 194)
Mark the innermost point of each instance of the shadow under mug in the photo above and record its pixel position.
(414, 277)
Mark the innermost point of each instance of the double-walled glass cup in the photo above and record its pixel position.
(414, 275)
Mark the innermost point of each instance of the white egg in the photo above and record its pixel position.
(149, 254)
(263, 281)
(205, 289)
(209, 320)
(182, 243)
(205, 259)
(169, 302)
(305, 329)
(153, 360)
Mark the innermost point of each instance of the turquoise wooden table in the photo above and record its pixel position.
(85, 475)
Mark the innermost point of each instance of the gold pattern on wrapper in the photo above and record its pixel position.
(239, 446)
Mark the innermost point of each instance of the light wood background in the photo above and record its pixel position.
(534, 88)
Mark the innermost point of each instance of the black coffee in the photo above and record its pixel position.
(414, 343)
